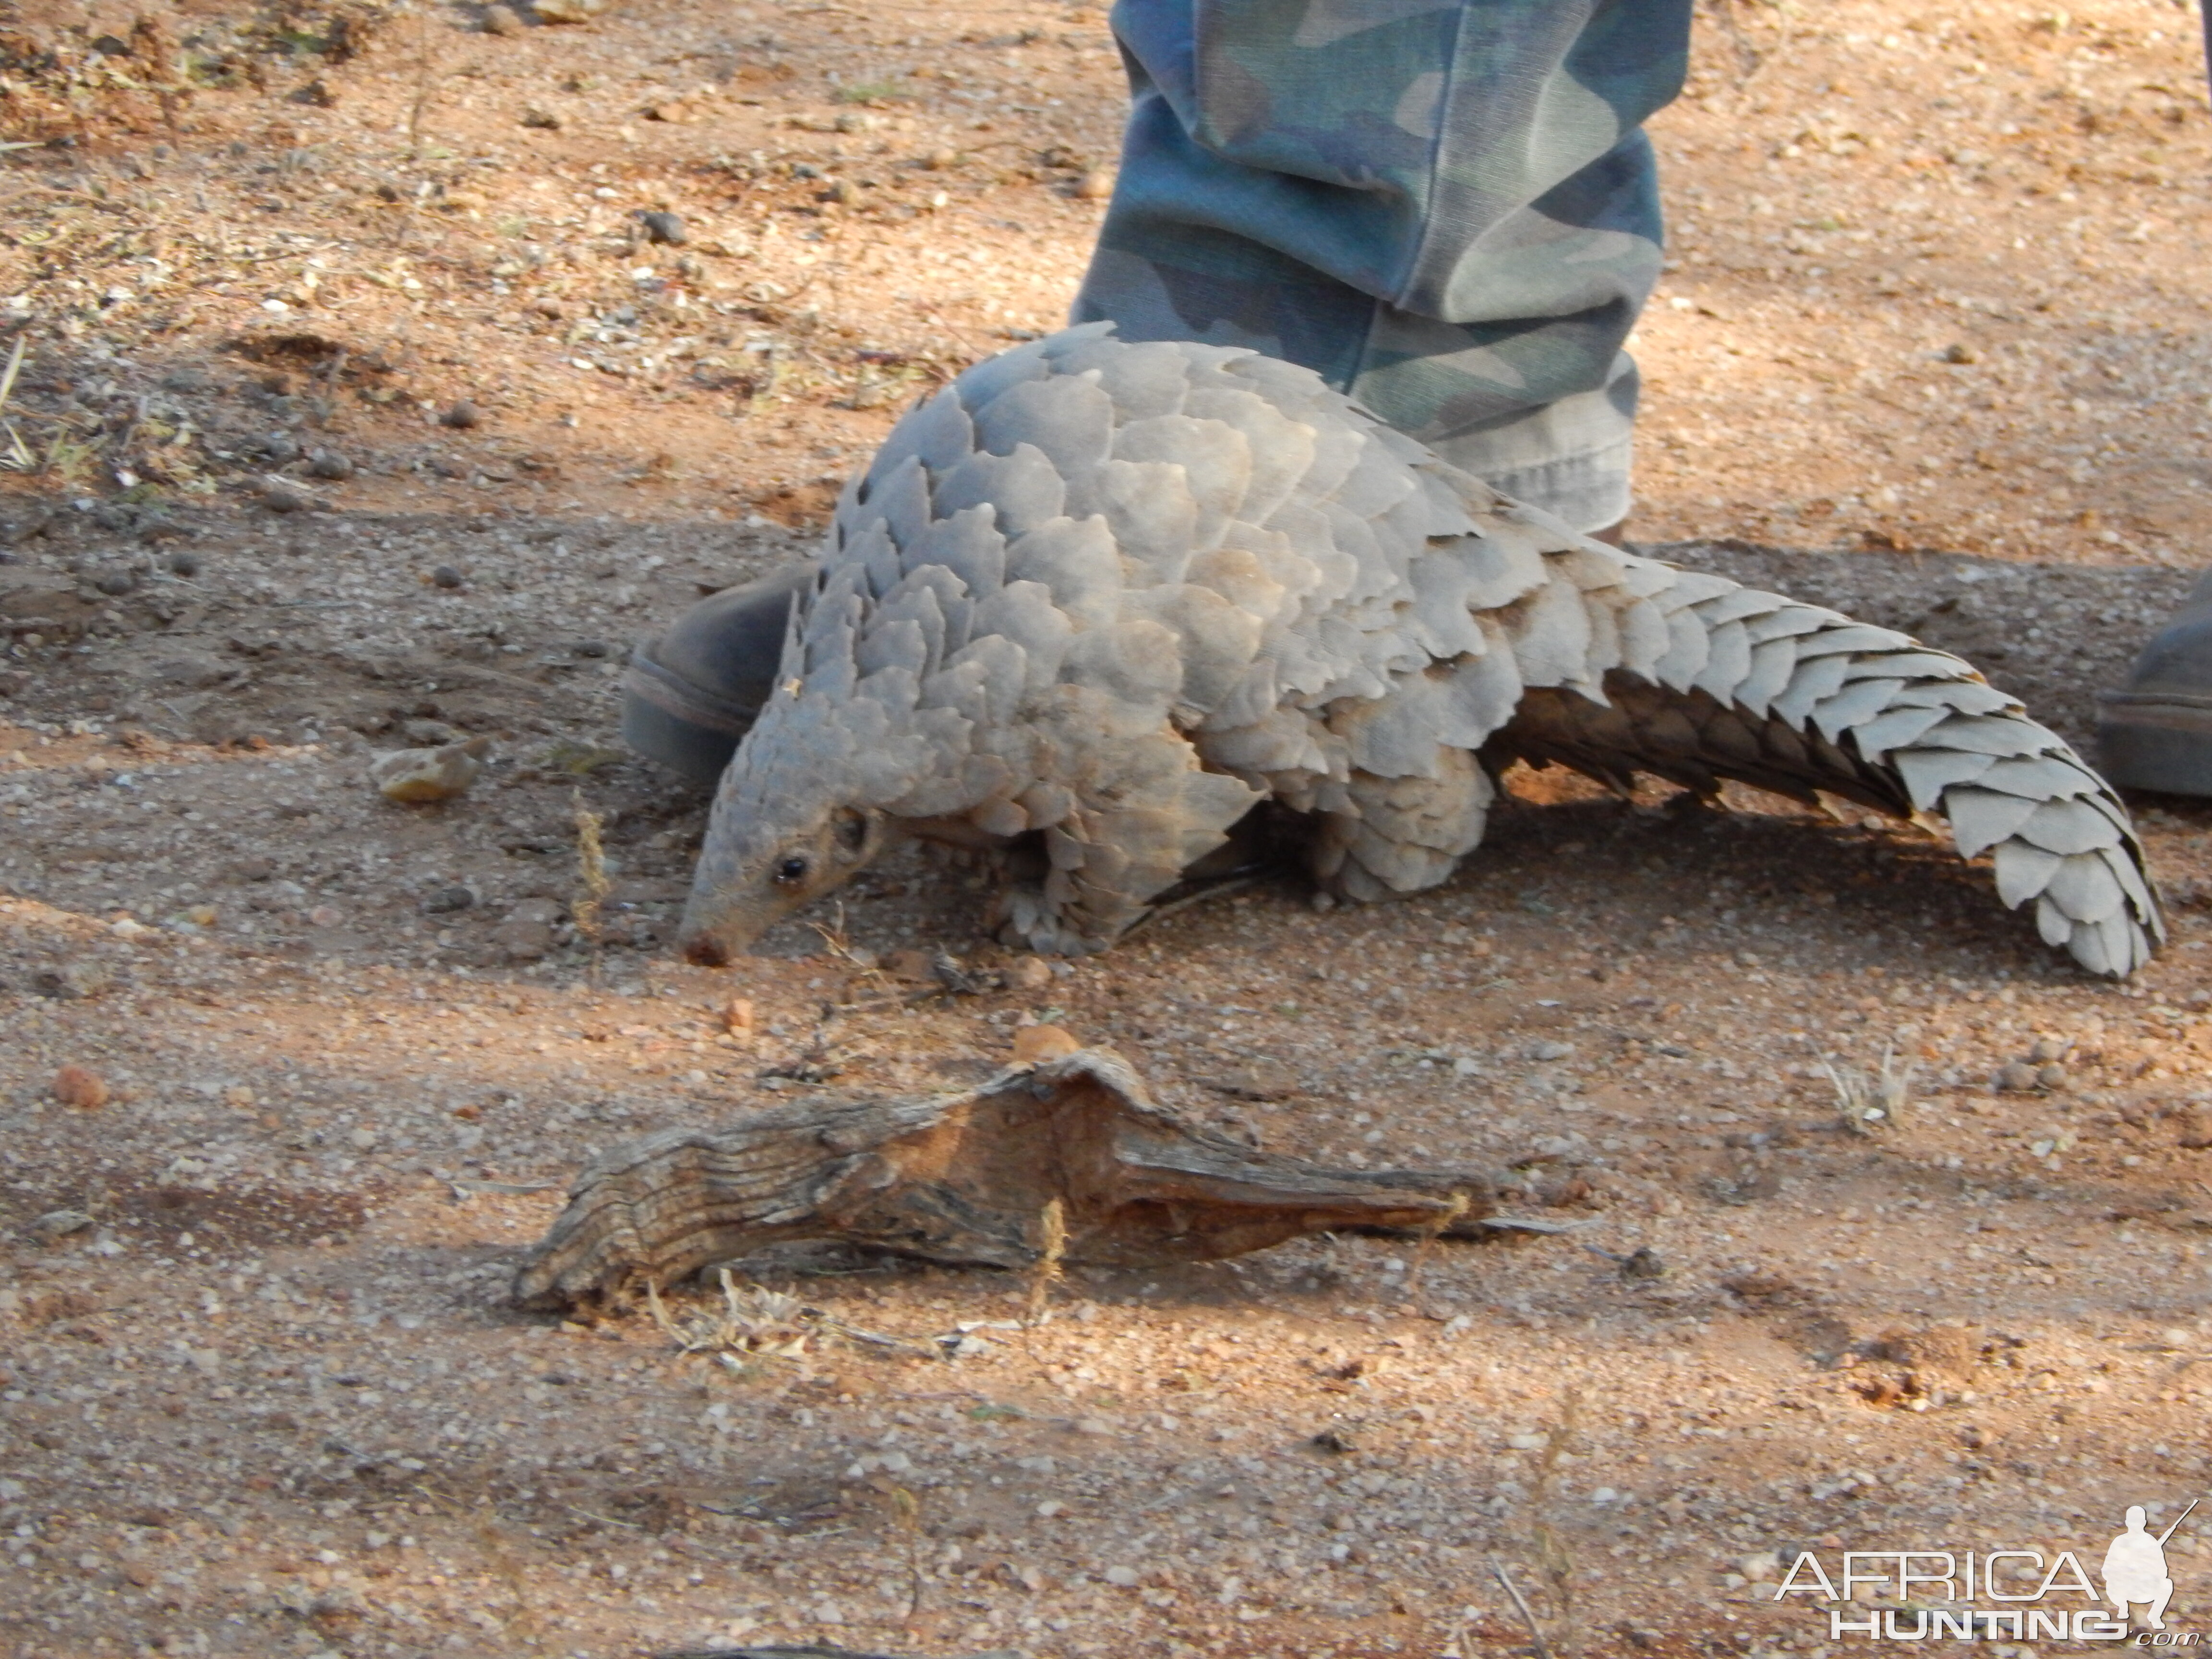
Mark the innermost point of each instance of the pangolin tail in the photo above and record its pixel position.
(1796, 700)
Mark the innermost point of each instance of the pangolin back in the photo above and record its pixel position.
(1119, 594)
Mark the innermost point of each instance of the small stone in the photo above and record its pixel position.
(1029, 973)
(1095, 185)
(427, 734)
(283, 496)
(1550, 1050)
(1122, 1577)
(1960, 352)
(502, 20)
(522, 940)
(446, 577)
(57, 1225)
(187, 565)
(544, 120)
(1258, 1078)
(2050, 1077)
(282, 447)
(738, 1016)
(462, 416)
(412, 775)
(2196, 1130)
(115, 583)
(936, 161)
(330, 463)
(326, 915)
(915, 967)
(569, 11)
(444, 901)
(2016, 1078)
(1761, 1566)
(1035, 1044)
(72, 981)
(666, 228)
(86, 1090)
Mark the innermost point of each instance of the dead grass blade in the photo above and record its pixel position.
(1521, 1606)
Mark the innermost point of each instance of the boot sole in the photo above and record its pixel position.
(687, 730)
(2161, 742)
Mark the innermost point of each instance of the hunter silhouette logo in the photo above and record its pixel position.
(2135, 1567)
(1932, 1593)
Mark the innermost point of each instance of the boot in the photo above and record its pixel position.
(2156, 733)
(690, 694)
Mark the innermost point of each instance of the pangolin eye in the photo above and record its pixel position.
(792, 869)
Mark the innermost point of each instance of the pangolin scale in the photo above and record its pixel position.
(1096, 601)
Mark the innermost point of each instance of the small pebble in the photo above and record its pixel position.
(330, 463)
(912, 965)
(461, 416)
(442, 901)
(1961, 353)
(184, 564)
(663, 227)
(86, 1090)
(1035, 1044)
(1029, 973)
(1258, 1079)
(446, 576)
(57, 1224)
(502, 21)
(521, 939)
(1093, 186)
(544, 120)
(2196, 1130)
(116, 583)
(2016, 1078)
(281, 447)
(283, 496)
(738, 1016)
(569, 11)
(413, 775)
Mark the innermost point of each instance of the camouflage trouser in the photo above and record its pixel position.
(1446, 207)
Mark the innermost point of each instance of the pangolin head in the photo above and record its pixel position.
(799, 811)
(756, 869)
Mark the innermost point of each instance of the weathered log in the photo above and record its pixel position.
(964, 1179)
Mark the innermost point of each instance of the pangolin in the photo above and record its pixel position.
(1096, 601)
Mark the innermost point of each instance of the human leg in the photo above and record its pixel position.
(1447, 209)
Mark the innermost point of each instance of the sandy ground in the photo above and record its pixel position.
(1929, 351)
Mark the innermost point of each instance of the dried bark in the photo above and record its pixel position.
(965, 1179)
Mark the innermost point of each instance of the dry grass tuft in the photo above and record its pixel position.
(1870, 1101)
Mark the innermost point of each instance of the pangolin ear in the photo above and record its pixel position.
(851, 828)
